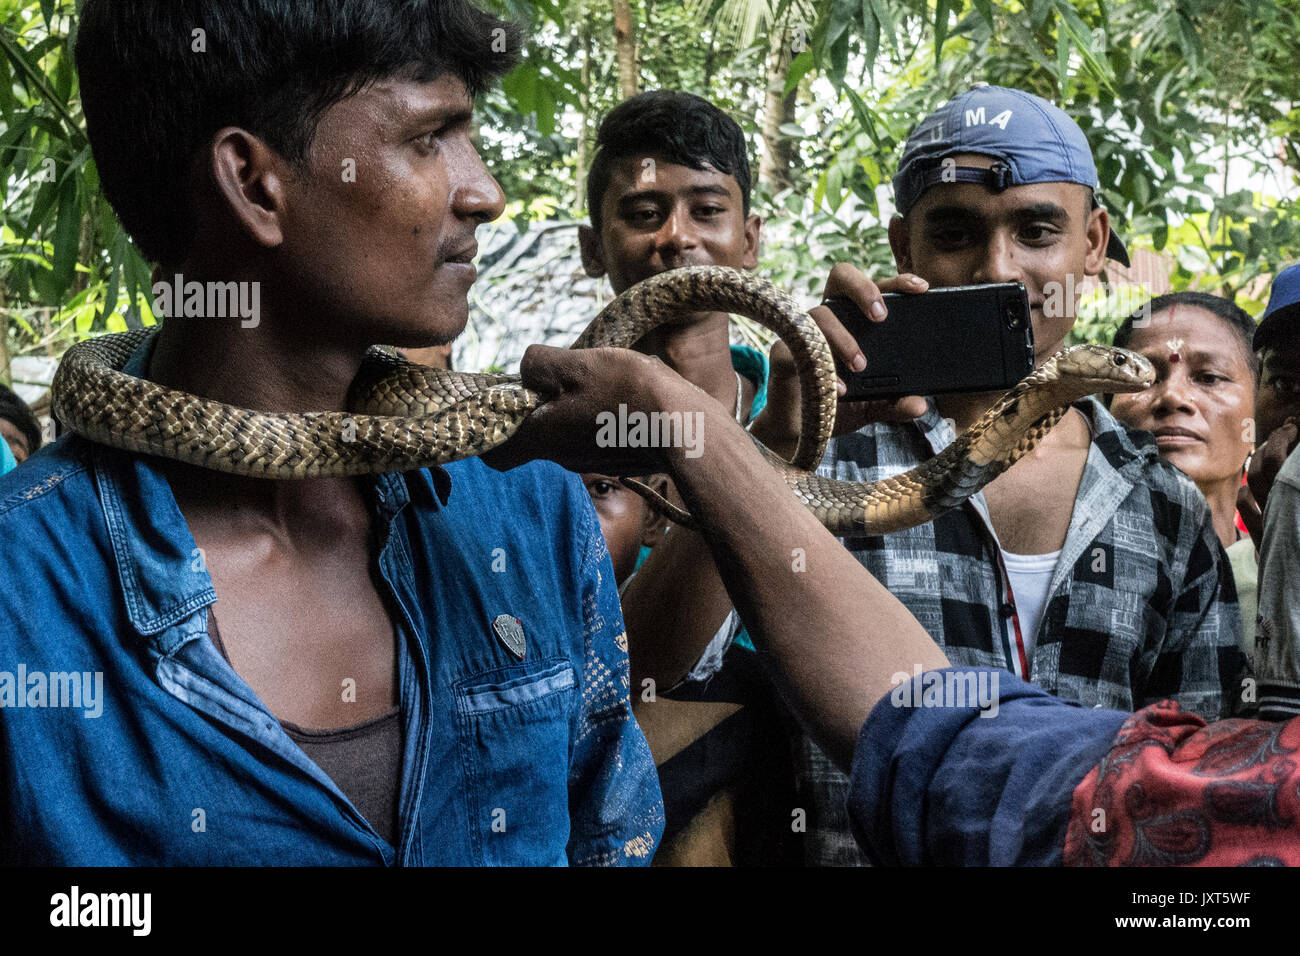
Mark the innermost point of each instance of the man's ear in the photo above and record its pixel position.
(753, 227)
(593, 260)
(900, 241)
(1098, 233)
(249, 178)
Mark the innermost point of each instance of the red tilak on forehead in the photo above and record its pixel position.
(1173, 357)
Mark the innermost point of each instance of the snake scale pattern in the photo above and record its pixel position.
(405, 416)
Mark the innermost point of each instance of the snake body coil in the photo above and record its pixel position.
(408, 416)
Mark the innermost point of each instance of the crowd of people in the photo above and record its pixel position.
(514, 659)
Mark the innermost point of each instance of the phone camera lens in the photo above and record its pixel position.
(1015, 320)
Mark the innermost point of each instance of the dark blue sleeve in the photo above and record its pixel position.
(968, 786)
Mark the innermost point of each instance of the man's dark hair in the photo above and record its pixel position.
(15, 410)
(1236, 318)
(272, 67)
(682, 128)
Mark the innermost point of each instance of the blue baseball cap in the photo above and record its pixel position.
(1283, 308)
(1030, 140)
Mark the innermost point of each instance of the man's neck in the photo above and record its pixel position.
(700, 352)
(1222, 498)
(965, 409)
(253, 367)
(256, 369)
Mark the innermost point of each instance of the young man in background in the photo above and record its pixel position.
(669, 187)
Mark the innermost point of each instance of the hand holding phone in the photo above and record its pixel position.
(956, 339)
(779, 424)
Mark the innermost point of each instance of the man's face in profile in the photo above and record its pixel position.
(1278, 395)
(656, 216)
(379, 225)
(1037, 234)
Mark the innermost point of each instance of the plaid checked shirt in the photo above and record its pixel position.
(1141, 606)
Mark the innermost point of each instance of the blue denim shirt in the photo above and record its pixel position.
(506, 761)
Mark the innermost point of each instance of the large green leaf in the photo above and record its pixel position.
(799, 68)
(67, 235)
(942, 8)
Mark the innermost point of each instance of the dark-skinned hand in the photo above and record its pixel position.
(1267, 461)
(579, 384)
(779, 424)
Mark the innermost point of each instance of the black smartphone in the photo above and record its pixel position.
(970, 338)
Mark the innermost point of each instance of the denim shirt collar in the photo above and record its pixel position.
(161, 571)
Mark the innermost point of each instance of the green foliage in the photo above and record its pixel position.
(1167, 91)
(68, 267)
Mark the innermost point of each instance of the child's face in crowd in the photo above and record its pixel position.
(1038, 234)
(657, 216)
(1278, 397)
(626, 521)
(16, 440)
(1202, 402)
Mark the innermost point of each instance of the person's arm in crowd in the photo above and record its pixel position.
(833, 627)
(1277, 637)
(1045, 781)
(677, 601)
(1267, 461)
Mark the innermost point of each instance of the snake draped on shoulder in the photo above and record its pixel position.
(405, 416)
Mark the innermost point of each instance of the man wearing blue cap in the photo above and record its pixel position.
(1275, 483)
(1090, 567)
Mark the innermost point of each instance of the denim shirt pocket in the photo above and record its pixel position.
(514, 740)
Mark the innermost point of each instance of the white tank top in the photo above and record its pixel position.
(1031, 576)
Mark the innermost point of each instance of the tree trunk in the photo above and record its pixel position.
(584, 105)
(709, 57)
(778, 151)
(625, 49)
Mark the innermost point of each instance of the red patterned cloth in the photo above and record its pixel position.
(1174, 791)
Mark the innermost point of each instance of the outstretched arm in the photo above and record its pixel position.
(835, 634)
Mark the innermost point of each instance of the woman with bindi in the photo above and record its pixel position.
(1201, 408)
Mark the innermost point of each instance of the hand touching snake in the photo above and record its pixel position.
(407, 416)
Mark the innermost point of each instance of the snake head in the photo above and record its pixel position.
(1101, 368)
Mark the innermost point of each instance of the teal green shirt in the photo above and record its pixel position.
(7, 460)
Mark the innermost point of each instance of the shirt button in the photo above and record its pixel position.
(1008, 609)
